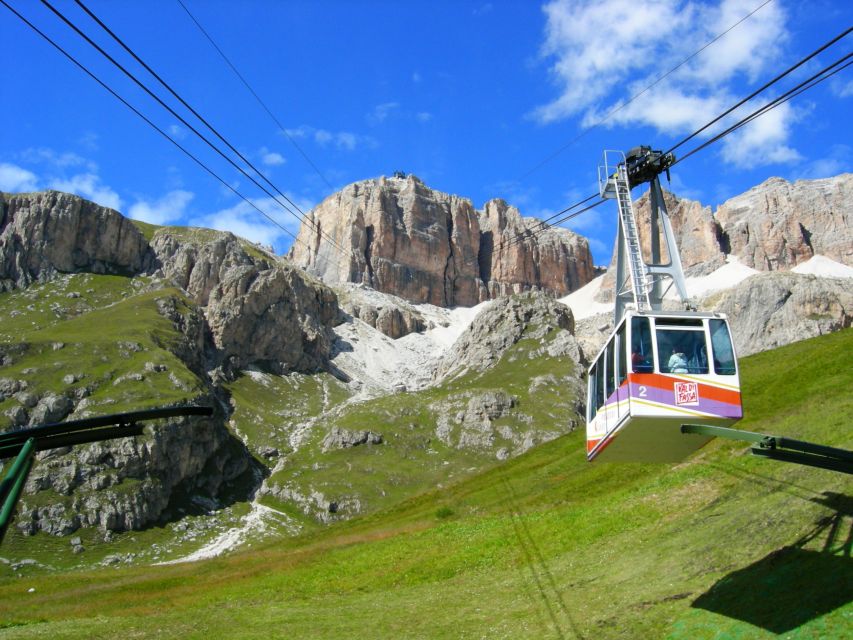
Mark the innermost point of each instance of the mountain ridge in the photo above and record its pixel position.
(311, 380)
(401, 237)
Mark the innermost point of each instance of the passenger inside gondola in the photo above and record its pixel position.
(682, 350)
(677, 362)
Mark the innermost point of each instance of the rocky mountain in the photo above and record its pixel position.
(774, 309)
(45, 234)
(139, 317)
(399, 236)
(774, 226)
(342, 397)
(768, 233)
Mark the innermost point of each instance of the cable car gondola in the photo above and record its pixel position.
(659, 370)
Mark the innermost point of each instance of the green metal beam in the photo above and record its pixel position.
(51, 436)
(781, 448)
(25, 442)
(722, 432)
(13, 483)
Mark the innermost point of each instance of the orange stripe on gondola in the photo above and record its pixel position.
(667, 383)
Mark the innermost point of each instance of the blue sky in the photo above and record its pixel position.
(471, 97)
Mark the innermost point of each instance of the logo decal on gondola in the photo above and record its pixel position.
(686, 393)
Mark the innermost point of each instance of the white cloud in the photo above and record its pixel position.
(89, 141)
(15, 179)
(299, 132)
(416, 77)
(762, 141)
(607, 51)
(423, 116)
(245, 221)
(167, 210)
(381, 112)
(323, 137)
(597, 44)
(88, 185)
(835, 162)
(177, 132)
(347, 141)
(56, 159)
(842, 89)
(271, 158)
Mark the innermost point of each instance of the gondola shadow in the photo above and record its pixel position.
(791, 585)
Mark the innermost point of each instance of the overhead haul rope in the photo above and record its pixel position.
(200, 135)
(638, 94)
(812, 81)
(763, 88)
(256, 96)
(531, 234)
(180, 99)
(145, 119)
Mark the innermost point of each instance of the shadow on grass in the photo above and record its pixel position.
(792, 585)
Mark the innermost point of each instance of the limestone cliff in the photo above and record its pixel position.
(42, 234)
(212, 304)
(772, 227)
(258, 307)
(771, 310)
(778, 225)
(401, 237)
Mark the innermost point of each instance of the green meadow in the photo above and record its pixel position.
(545, 545)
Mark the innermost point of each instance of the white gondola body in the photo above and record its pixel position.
(636, 403)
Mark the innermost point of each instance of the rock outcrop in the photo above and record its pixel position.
(42, 234)
(197, 260)
(129, 483)
(774, 226)
(272, 316)
(503, 324)
(241, 306)
(262, 308)
(339, 438)
(401, 237)
(766, 311)
(778, 225)
(389, 314)
(518, 254)
(771, 310)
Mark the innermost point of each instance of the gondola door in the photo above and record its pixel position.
(620, 369)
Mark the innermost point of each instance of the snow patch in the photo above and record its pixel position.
(825, 267)
(582, 302)
(725, 277)
(382, 364)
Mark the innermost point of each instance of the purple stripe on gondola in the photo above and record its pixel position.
(705, 405)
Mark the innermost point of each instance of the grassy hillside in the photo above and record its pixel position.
(724, 545)
(101, 330)
(412, 458)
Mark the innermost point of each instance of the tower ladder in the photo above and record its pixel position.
(636, 264)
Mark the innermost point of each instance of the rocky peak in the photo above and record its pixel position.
(778, 224)
(401, 237)
(197, 260)
(774, 226)
(257, 307)
(46, 233)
